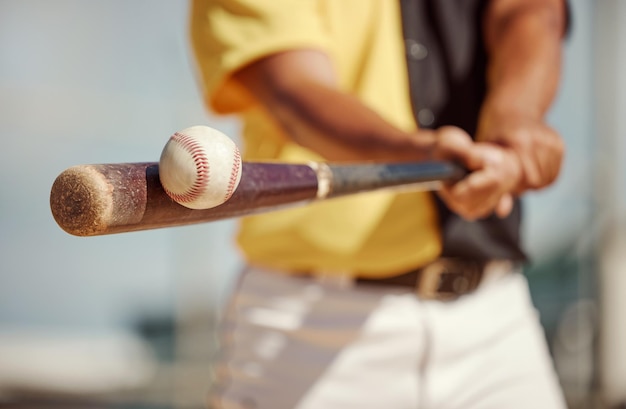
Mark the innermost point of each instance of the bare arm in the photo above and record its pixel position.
(299, 89)
(523, 40)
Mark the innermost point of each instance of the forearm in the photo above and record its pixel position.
(298, 91)
(523, 39)
(340, 127)
(524, 55)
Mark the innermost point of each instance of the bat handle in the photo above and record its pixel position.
(348, 179)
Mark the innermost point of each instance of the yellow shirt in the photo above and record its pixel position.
(370, 234)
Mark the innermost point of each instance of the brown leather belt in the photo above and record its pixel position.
(445, 278)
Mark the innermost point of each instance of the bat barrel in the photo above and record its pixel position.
(87, 200)
(92, 200)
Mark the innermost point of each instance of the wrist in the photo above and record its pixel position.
(504, 108)
(504, 123)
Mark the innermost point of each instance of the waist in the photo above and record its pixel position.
(443, 279)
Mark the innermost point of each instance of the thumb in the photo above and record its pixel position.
(456, 144)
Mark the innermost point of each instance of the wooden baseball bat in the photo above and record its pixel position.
(92, 200)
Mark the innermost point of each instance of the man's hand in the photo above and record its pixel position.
(539, 148)
(515, 150)
(495, 171)
(514, 153)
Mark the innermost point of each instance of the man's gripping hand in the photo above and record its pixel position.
(495, 173)
(513, 154)
(539, 148)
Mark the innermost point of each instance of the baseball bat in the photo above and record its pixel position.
(92, 200)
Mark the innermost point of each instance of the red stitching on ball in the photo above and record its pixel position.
(202, 169)
(234, 174)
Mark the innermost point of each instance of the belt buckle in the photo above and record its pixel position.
(429, 281)
(431, 285)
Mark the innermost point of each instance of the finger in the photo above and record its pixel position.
(504, 206)
(477, 186)
(457, 207)
(456, 144)
(475, 197)
(468, 211)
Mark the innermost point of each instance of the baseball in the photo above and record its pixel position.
(200, 167)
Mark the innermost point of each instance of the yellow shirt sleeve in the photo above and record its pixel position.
(227, 35)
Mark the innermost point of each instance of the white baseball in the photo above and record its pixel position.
(200, 167)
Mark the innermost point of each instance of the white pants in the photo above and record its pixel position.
(293, 342)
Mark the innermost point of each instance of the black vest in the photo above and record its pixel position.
(447, 74)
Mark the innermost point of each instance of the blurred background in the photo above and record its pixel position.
(126, 320)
